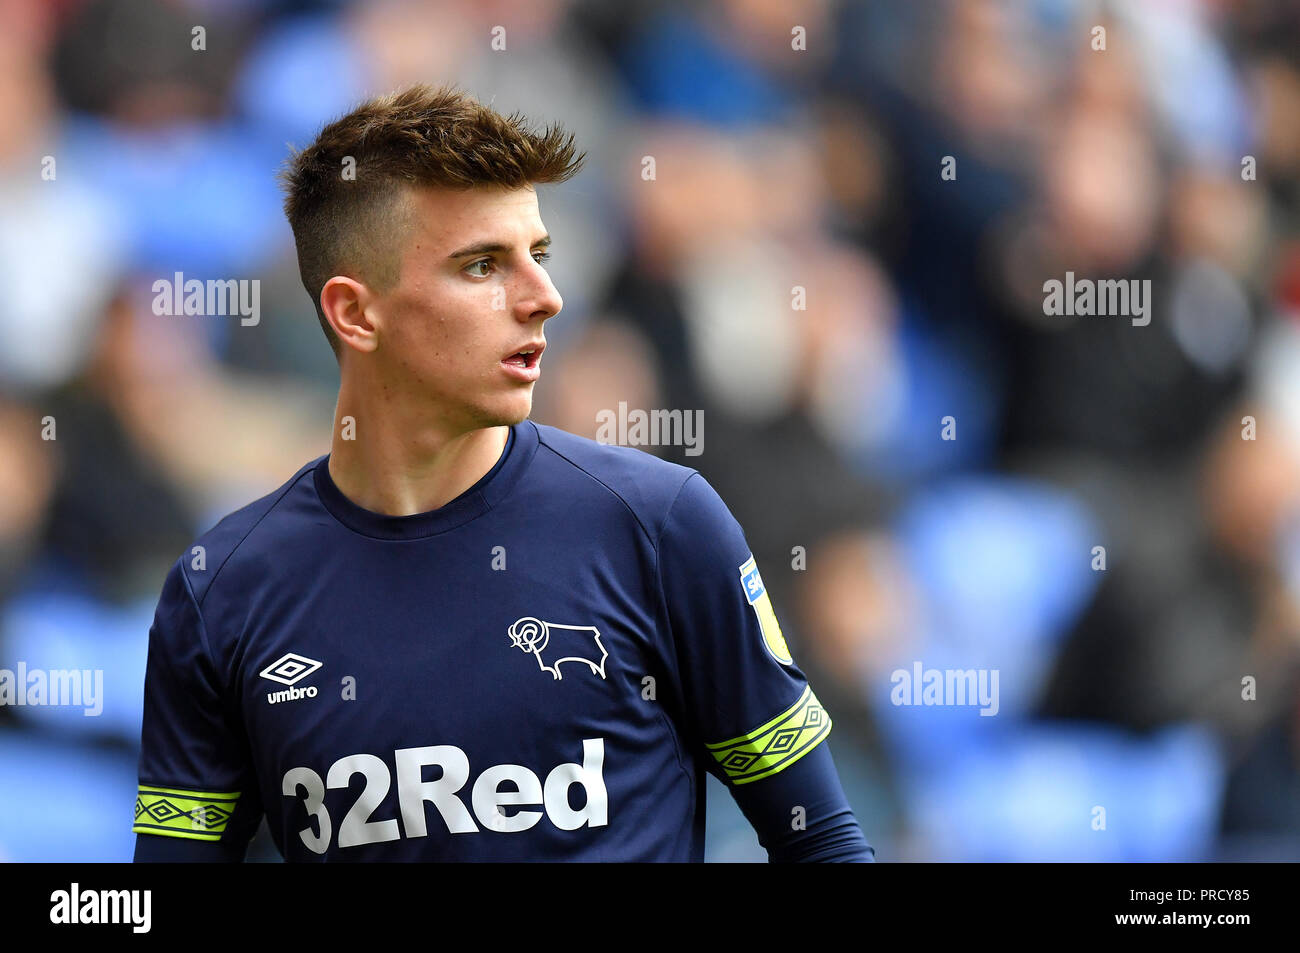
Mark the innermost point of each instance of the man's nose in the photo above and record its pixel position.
(539, 297)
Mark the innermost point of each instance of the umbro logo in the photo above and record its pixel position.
(286, 670)
(289, 669)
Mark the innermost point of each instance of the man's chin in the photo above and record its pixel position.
(506, 416)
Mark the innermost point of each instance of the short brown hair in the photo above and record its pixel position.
(416, 137)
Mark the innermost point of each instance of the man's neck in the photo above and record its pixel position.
(398, 463)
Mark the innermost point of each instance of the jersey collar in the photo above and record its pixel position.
(474, 502)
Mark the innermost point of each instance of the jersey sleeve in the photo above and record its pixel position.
(197, 786)
(802, 816)
(747, 704)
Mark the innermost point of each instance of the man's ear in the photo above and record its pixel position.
(344, 302)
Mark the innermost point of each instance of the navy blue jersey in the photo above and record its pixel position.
(537, 670)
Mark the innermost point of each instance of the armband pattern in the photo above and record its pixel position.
(776, 745)
(172, 812)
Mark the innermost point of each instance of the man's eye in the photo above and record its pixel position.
(486, 262)
(541, 257)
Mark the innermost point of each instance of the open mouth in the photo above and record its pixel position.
(526, 359)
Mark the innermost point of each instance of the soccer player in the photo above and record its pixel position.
(462, 635)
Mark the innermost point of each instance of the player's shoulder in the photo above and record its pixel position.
(645, 483)
(212, 550)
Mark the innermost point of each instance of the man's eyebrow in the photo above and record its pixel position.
(483, 248)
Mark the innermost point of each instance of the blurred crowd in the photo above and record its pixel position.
(928, 468)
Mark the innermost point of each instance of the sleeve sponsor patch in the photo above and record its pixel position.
(756, 594)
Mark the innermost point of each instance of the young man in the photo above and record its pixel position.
(462, 635)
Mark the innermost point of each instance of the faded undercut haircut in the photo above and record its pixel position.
(345, 191)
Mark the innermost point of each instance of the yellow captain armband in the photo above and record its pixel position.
(775, 745)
